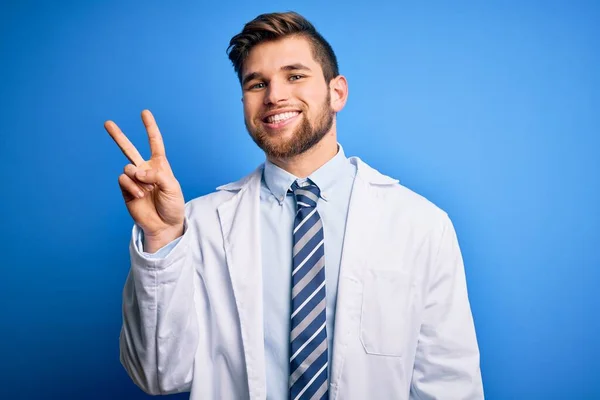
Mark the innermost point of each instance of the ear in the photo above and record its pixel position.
(338, 87)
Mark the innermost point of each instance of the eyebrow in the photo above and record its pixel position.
(291, 67)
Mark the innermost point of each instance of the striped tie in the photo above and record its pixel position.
(308, 337)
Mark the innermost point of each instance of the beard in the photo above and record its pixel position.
(305, 136)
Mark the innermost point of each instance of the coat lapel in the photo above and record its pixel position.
(360, 233)
(239, 218)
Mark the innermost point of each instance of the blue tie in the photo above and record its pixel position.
(308, 336)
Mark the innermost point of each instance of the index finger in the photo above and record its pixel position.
(157, 146)
(124, 144)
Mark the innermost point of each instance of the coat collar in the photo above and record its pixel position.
(365, 171)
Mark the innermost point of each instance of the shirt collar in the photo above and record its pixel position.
(278, 180)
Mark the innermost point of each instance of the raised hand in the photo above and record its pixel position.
(152, 194)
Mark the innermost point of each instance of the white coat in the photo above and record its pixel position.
(192, 321)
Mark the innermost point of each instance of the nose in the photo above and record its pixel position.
(276, 92)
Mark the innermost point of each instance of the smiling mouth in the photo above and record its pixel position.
(280, 119)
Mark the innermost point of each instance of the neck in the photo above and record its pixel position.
(311, 160)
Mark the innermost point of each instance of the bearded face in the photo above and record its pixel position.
(302, 133)
(287, 103)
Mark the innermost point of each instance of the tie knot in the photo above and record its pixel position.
(306, 194)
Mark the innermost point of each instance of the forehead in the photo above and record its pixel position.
(269, 57)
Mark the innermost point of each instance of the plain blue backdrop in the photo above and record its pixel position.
(492, 111)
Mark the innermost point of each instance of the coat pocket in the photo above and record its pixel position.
(384, 313)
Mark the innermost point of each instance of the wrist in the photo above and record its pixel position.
(155, 242)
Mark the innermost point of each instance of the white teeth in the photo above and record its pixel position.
(281, 117)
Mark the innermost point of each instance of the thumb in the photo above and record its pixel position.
(152, 176)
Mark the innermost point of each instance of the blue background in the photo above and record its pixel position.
(491, 111)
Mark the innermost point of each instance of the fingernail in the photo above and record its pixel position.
(149, 187)
(140, 194)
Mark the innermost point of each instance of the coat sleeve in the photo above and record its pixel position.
(447, 362)
(160, 331)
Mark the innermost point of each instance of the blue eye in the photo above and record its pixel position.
(258, 85)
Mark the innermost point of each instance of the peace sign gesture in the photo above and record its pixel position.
(152, 194)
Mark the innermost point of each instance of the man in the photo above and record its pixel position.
(313, 277)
